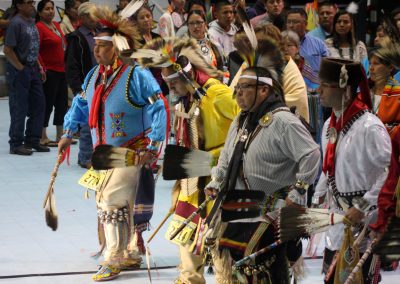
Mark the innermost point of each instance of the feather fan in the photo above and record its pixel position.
(107, 157)
(181, 162)
(295, 222)
(389, 245)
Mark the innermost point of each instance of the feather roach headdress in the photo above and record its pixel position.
(165, 53)
(259, 52)
(126, 35)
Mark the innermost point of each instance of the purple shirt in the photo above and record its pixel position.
(90, 40)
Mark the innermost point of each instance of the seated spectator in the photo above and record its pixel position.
(143, 19)
(197, 5)
(395, 16)
(326, 13)
(70, 20)
(121, 5)
(343, 43)
(274, 9)
(222, 30)
(292, 47)
(51, 52)
(385, 91)
(173, 20)
(312, 49)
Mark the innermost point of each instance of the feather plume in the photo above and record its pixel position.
(352, 8)
(49, 203)
(247, 27)
(267, 56)
(295, 222)
(389, 51)
(181, 162)
(271, 58)
(131, 8)
(51, 212)
(120, 42)
(107, 157)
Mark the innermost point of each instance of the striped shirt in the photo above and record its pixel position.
(281, 153)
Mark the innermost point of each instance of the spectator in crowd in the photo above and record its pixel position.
(173, 20)
(395, 15)
(326, 13)
(7, 15)
(197, 5)
(79, 58)
(51, 54)
(70, 20)
(24, 76)
(292, 47)
(197, 29)
(121, 5)
(312, 49)
(223, 30)
(380, 35)
(273, 14)
(343, 43)
(385, 91)
(143, 19)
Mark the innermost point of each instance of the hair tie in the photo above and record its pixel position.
(344, 77)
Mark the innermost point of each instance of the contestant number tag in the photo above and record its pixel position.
(92, 179)
(184, 236)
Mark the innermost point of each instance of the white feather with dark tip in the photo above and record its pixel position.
(131, 8)
(295, 222)
(352, 8)
(181, 162)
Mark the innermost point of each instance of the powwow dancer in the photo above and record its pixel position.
(203, 115)
(124, 107)
(267, 150)
(356, 149)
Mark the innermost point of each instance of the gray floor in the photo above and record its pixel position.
(31, 253)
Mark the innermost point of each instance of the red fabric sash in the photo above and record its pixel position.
(329, 161)
(99, 90)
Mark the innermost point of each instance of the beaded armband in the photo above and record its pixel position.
(154, 98)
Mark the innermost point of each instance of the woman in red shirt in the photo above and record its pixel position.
(51, 56)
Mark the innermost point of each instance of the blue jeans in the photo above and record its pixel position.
(85, 145)
(26, 99)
